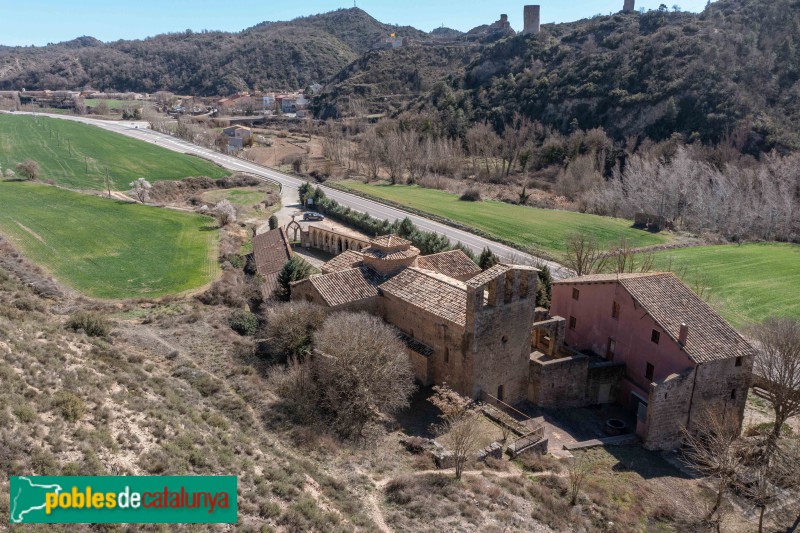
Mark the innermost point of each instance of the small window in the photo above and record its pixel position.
(500, 393)
(648, 372)
(576, 294)
(612, 346)
(572, 322)
(739, 361)
(733, 394)
(615, 310)
(504, 339)
(655, 336)
(447, 355)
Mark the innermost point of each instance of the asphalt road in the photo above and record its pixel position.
(140, 130)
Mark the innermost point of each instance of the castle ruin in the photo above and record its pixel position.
(532, 20)
(630, 6)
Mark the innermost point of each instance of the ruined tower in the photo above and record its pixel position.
(630, 6)
(531, 20)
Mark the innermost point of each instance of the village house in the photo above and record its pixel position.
(649, 343)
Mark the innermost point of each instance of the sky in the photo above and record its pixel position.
(39, 22)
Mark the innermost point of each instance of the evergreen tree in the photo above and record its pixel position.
(487, 259)
(544, 289)
(295, 269)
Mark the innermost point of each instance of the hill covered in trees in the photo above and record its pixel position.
(287, 55)
(729, 73)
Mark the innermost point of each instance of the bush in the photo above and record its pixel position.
(93, 324)
(69, 406)
(244, 323)
(289, 330)
(273, 222)
(472, 194)
(28, 169)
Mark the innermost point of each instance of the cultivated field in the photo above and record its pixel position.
(113, 104)
(105, 248)
(544, 229)
(748, 282)
(77, 155)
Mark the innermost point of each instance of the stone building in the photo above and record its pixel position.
(467, 328)
(674, 357)
(532, 16)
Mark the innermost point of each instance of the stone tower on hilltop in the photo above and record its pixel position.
(532, 20)
(630, 6)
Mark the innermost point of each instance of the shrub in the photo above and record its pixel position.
(93, 324)
(69, 406)
(28, 169)
(244, 323)
(273, 222)
(472, 194)
(289, 330)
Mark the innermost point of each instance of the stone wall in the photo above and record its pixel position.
(499, 318)
(558, 383)
(717, 388)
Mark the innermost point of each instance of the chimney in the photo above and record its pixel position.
(531, 20)
(684, 334)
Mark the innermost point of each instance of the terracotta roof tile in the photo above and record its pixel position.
(271, 251)
(347, 286)
(454, 263)
(437, 294)
(391, 254)
(670, 302)
(343, 261)
(604, 278)
(390, 241)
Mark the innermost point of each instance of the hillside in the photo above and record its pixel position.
(288, 55)
(731, 71)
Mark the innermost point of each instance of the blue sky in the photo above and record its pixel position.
(38, 22)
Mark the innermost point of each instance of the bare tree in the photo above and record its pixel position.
(28, 169)
(578, 470)
(777, 369)
(289, 330)
(459, 429)
(584, 255)
(363, 372)
(225, 213)
(760, 491)
(141, 188)
(714, 449)
(624, 259)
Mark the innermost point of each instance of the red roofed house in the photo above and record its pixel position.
(271, 251)
(681, 359)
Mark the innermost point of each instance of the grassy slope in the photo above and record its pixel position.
(544, 229)
(240, 197)
(108, 249)
(26, 137)
(748, 283)
(112, 103)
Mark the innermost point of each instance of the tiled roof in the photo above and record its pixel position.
(390, 241)
(670, 303)
(454, 263)
(391, 254)
(271, 251)
(415, 345)
(488, 275)
(346, 286)
(343, 261)
(436, 294)
(603, 278)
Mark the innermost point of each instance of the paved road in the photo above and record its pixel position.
(140, 130)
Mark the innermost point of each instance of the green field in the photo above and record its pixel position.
(748, 283)
(109, 249)
(240, 197)
(45, 140)
(544, 229)
(113, 104)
